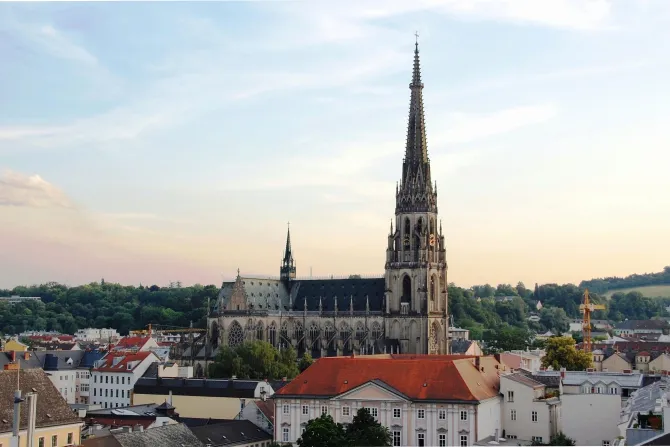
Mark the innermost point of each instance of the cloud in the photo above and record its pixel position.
(22, 190)
(465, 128)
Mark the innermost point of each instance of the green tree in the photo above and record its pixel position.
(305, 361)
(254, 360)
(506, 338)
(323, 432)
(554, 319)
(365, 431)
(561, 352)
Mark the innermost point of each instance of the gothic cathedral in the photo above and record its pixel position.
(403, 312)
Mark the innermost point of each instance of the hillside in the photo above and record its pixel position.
(630, 282)
(661, 291)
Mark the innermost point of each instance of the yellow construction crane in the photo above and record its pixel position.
(586, 308)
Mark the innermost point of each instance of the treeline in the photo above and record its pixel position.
(603, 285)
(66, 309)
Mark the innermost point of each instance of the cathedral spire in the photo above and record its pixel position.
(287, 270)
(416, 192)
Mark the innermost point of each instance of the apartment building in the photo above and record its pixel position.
(114, 377)
(424, 400)
(529, 412)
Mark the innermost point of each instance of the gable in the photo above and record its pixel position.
(372, 391)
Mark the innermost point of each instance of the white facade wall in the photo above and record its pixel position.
(524, 417)
(408, 421)
(590, 419)
(93, 334)
(66, 383)
(114, 389)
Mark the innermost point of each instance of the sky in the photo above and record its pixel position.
(173, 141)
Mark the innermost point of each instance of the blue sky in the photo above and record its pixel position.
(149, 142)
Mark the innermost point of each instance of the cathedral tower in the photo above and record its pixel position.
(287, 270)
(416, 266)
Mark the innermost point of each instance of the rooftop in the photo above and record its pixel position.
(197, 387)
(524, 380)
(172, 435)
(416, 377)
(111, 362)
(52, 409)
(234, 432)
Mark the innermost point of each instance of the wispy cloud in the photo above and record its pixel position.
(23, 190)
(465, 128)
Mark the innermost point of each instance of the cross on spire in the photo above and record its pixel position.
(416, 35)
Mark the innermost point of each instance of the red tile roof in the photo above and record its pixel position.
(267, 408)
(416, 376)
(107, 364)
(132, 342)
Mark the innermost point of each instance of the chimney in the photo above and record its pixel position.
(26, 355)
(284, 379)
(139, 428)
(13, 356)
(562, 373)
(170, 397)
(32, 417)
(477, 363)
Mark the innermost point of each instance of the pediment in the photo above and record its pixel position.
(373, 391)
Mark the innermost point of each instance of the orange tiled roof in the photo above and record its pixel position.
(416, 376)
(121, 366)
(129, 342)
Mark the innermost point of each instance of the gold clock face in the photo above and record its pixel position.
(406, 240)
(432, 240)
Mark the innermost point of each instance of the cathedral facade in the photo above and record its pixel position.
(405, 311)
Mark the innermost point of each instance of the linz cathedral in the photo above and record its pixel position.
(405, 311)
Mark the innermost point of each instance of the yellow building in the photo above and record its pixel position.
(15, 345)
(55, 424)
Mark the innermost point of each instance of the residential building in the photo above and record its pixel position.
(592, 382)
(18, 299)
(135, 344)
(70, 372)
(466, 347)
(114, 377)
(107, 335)
(237, 433)
(529, 412)
(424, 400)
(643, 356)
(14, 345)
(261, 413)
(202, 398)
(641, 327)
(148, 416)
(171, 435)
(457, 333)
(646, 414)
(529, 360)
(55, 424)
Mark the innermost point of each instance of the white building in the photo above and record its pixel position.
(19, 299)
(94, 334)
(114, 377)
(423, 400)
(591, 419)
(529, 413)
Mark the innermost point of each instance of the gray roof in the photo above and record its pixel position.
(230, 433)
(633, 380)
(173, 435)
(460, 346)
(52, 409)
(523, 379)
(197, 387)
(134, 410)
(643, 324)
(644, 399)
(272, 294)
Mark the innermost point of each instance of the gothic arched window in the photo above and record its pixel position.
(376, 331)
(329, 334)
(283, 333)
(360, 331)
(259, 330)
(272, 334)
(235, 334)
(298, 333)
(313, 331)
(406, 289)
(345, 332)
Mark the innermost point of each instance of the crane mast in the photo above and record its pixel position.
(586, 308)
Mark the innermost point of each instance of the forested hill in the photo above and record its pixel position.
(66, 309)
(604, 285)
